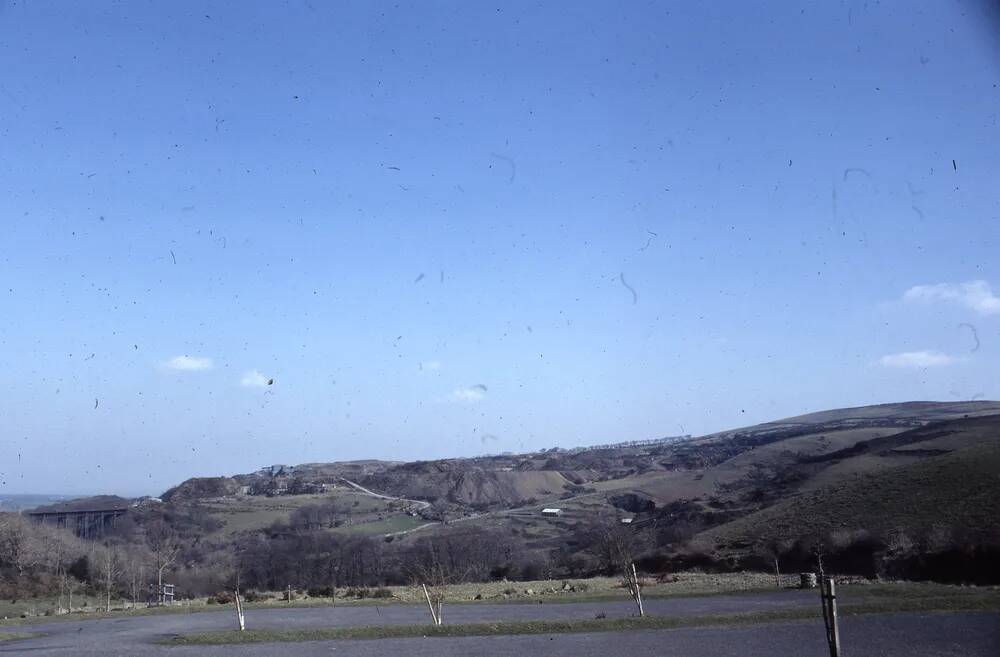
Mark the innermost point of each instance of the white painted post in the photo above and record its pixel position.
(430, 606)
(239, 611)
(638, 591)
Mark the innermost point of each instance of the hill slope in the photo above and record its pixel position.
(898, 490)
(919, 467)
(946, 475)
(470, 485)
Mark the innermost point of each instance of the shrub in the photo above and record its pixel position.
(321, 592)
(222, 598)
(254, 596)
(382, 592)
(358, 592)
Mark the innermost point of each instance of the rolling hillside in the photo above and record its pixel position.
(916, 467)
(943, 475)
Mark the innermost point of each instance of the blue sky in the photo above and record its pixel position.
(419, 220)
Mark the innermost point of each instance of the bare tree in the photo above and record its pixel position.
(70, 587)
(134, 571)
(60, 555)
(111, 568)
(20, 546)
(773, 549)
(617, 545)
(433, 568)
(164, 546)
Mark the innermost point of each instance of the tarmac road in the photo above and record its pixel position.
(969, 634)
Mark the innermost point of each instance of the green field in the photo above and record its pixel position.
(246, 513)
(389, 525)
(362, 514)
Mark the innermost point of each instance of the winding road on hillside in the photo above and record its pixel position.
(421, 503)
(969, 634)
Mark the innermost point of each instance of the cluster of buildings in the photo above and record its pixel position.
(281, 480)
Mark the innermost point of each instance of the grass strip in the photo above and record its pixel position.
(847, 594)
(9, 636)
(313, 603)
(506, 628)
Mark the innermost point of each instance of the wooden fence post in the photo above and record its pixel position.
(826, 611)
(830, 609)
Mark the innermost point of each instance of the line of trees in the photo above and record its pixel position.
(314, 559)
(150, 547)
(938, 553)
(147, 549)
(38, 560)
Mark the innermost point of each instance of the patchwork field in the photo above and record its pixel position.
(360, 512)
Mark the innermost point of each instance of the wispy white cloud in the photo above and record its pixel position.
(187, 364)
(254, 379)
(975, 295)
(469, 395)
(917, 359)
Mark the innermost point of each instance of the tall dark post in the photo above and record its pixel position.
(835, 644)
(828, 597)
